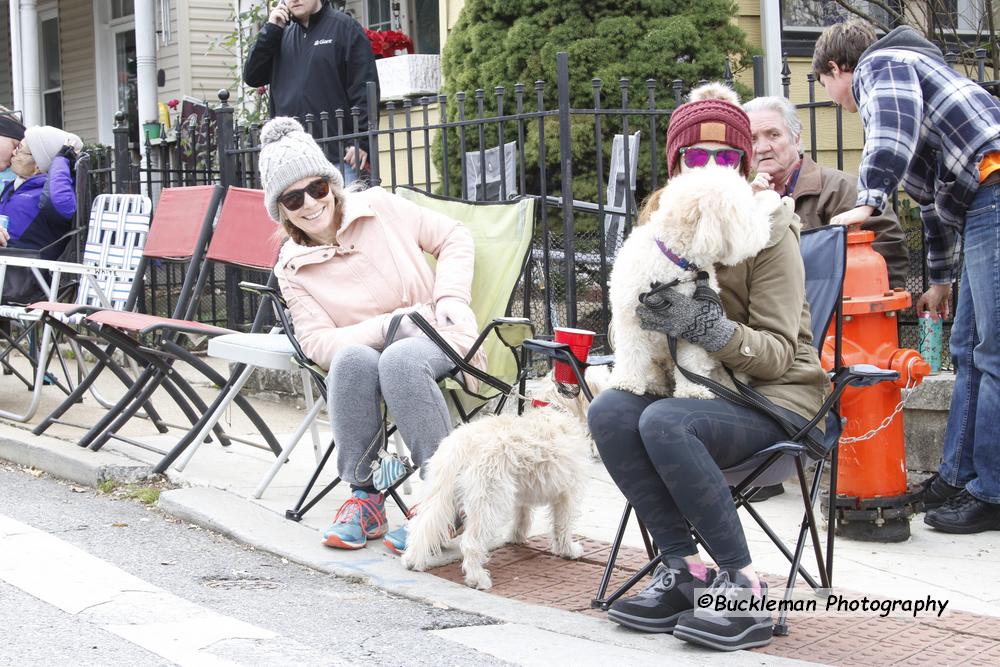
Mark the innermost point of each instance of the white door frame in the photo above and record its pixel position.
(106, 70)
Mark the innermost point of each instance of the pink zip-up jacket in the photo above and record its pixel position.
(346, 294)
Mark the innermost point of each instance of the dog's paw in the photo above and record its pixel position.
(518, 537)
(411, 561)
(479, 579)
(694, 391)
(632, 387)
(572, 551)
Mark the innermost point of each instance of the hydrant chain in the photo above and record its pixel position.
(885, 422)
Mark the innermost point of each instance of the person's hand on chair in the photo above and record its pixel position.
(698, 319)
(406, 328)
(451, 311)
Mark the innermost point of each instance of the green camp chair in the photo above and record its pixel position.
(502, 232)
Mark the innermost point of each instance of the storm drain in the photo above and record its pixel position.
(241, 583)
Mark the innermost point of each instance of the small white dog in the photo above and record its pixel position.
(705, 216)
(495, 469)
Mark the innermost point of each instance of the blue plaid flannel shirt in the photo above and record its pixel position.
(929, 127)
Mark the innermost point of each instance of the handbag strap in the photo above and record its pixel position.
(749, 397)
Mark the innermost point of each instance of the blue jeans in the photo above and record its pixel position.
(972, 438)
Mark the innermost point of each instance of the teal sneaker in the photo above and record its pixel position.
(395, 540)
(362, 516)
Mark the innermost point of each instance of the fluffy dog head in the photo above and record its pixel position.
(711, 216)
(548, 393)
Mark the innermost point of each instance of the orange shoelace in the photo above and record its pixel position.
(364, 508)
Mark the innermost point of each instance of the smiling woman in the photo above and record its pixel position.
(353, 262)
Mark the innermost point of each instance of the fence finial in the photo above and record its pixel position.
(223, 96)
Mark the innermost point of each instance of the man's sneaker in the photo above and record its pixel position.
(362, 516)
(767, 492)
(395, 540)
(934, 491)
(660, 604)
(964, 514)
(728, 630)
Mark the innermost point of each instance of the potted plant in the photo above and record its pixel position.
(388, 43)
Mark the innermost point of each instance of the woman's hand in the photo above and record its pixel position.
(406, 328)
(698, 319)
(4, 237)
(450, 311)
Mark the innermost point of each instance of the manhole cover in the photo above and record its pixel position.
(242, 583)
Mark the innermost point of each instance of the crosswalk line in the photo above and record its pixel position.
(176, 629)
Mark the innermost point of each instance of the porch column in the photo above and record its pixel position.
(770, 24)
(31, 86)
(145, 60)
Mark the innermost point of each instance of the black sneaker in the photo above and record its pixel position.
(964, 514)
(728, 630)
(934, 491)
(657, 607)
(767, 492)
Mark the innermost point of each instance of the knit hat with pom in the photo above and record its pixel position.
(713, 113)
(288, 154)
(45, 142)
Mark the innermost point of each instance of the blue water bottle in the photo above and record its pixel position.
(5, 223)
(930, 337)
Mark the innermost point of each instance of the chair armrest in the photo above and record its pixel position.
(260, 290)
(866, 375)
(47, 264)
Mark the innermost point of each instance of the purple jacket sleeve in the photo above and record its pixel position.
(62, 194)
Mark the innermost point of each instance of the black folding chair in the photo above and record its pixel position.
(824, 253)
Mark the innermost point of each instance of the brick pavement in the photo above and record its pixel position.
(531, 574)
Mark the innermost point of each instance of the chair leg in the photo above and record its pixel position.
(301, 507)
(599, 602)
(779, 544)
(831, 512)
(309, 422)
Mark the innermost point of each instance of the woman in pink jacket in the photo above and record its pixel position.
(354, 259)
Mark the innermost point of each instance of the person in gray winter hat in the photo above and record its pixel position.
(355, 263)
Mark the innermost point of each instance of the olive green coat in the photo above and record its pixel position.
(765, 296)
(821, 193)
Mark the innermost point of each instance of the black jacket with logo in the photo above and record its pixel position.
(324, 67)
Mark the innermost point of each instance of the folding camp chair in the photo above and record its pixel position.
(244, 237)
(115, 237)
(502, 233)
(824, 256)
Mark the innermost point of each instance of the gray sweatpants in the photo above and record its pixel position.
(404, 375)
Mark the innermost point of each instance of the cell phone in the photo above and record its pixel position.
(291, 16)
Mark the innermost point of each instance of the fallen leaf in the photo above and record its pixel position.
(168, 562)
(78, 489)
(119, 525)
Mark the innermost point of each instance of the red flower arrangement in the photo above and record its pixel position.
(386, 43)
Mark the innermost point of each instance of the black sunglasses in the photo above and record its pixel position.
(294, 199)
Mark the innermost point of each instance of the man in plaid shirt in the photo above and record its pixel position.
(938, 133)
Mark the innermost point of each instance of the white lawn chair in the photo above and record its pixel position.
(115, 236)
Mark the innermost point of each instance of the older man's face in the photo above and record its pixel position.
(303, 9)
(775, 149)
(7, 147)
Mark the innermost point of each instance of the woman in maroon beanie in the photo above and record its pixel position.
(666, 454)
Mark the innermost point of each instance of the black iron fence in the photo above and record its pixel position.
(589, 168)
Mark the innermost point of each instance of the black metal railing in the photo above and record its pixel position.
(561, 155)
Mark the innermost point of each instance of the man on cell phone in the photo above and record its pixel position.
(316, 58)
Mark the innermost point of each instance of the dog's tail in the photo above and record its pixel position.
(434, 518)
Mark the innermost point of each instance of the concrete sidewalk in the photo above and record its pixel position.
(216, 486)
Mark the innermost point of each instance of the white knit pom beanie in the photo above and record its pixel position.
(289, 154)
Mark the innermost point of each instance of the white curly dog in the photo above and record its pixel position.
(497, 468)
(703, 217)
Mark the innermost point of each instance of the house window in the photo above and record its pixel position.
(126, 76)
(51, 74)
(960, 16)
(417, 18)
(122, 8)
(803, 20)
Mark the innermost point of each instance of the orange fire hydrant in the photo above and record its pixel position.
(872, 500)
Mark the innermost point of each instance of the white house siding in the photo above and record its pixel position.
(167, 57)
(76, 61)
(211, 67)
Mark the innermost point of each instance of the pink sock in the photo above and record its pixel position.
(698, 571)
(756, 589)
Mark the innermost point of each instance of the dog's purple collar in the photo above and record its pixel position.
(675, 258)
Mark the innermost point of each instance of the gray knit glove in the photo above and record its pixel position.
(698, 319)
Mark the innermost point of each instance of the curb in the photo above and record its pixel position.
(253, 525)
(63, 459)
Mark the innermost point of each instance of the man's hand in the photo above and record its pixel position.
(279, 16)
(4, 237)
(937, 299)
(357, 159)
(761, 182)
(853, 217)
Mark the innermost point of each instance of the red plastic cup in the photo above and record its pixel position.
(579, 341)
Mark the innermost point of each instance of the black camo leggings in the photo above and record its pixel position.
(665, 455)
